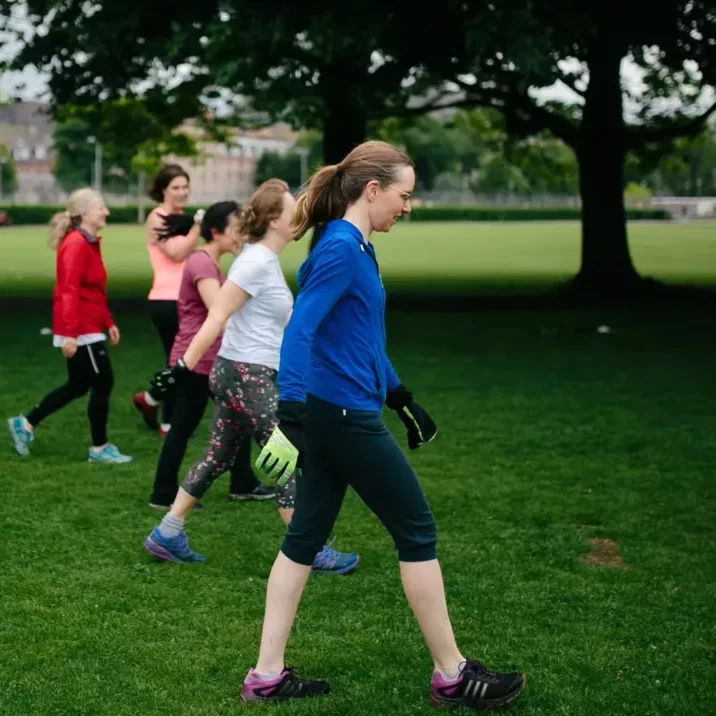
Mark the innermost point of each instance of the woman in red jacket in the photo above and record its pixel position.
(80, 316)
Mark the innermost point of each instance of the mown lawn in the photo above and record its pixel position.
(572, 482)
(551, 435)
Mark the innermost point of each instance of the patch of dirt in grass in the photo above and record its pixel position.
(605, 553)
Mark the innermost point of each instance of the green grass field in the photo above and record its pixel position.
(462, 258)
(551, 436)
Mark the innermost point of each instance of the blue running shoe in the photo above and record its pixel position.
(109, 454)
(329, 561)
(21, 436)
(171, 549)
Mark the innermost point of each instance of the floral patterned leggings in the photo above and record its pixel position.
(246, 400)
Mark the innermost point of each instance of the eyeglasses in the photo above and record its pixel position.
(404, 195)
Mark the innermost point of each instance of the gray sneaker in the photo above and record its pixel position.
(110, 454)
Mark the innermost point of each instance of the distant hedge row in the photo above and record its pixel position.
(23, 215)
(509, 213)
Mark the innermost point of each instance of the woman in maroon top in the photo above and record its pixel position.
(200, 284)
(80, 317)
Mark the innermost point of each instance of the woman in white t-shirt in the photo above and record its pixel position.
(252, 308)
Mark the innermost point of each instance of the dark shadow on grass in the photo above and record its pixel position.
(431, 295)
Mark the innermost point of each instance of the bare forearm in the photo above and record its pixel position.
(178, 248)
(203, 340)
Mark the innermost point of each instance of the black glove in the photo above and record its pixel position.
(165, 380)
(421, 427)
(174, 225)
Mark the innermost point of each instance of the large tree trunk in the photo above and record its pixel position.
(344, 127)
(606, 266)
(345, 115)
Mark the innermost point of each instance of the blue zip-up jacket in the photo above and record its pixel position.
(334, 344)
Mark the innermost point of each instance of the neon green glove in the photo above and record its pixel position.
(278, 457)
(281, 455)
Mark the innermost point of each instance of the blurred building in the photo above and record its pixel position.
(221, 171)
(686, 207)
(226, 170)
(26, 130)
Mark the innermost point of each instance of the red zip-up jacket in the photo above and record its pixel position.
(79, 302)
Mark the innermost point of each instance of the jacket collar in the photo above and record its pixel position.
(89, 238)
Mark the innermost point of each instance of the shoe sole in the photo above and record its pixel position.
(20, 447)
(166, 508)
(165, 555)
(252, 498)
(109, 462)
(341, 572)
(484, 705)
(246, 700)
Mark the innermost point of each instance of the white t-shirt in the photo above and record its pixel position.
(253, 334)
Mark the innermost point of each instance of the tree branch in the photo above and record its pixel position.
(639, 136)
(557, 124)
(520, 109)
(569, 81)
(432, 106)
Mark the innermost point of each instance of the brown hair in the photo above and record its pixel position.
(334, 187)
(265, 205)
(166, 175)
(63, 222)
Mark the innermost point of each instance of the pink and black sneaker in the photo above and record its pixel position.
(148, 412)
(477, 687)
(284, 687)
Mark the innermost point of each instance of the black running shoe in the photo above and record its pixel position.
(477, 688)
(261, 492)
(284, 687)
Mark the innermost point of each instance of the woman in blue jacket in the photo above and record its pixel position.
(333, 380)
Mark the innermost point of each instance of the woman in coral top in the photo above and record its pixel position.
(168, 255)
(80, 316)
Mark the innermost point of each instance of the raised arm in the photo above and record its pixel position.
(177, 248)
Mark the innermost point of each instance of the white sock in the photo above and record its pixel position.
(27, 425)
(267, 677)
(150, 400)
(456, 675)
(166, 427)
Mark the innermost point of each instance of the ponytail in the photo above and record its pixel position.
(60, 225)
(322, 200)
(332, 189)
(247, 219)
(265, 205)
(79, 203)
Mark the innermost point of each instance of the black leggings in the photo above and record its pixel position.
(353, 447)
(89, 369)
(165, 318)
(192, 395)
